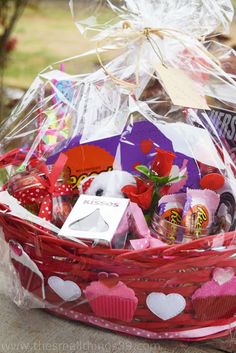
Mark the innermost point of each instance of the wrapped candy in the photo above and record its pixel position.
(199, 210)
(167, 217)
(171, 207)
(39, 191)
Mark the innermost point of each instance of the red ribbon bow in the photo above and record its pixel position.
(47, 188)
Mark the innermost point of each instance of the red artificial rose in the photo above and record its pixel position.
(141, 193)
(164, 190)
(163, 162)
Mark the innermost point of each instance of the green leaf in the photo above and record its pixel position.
(160, 180)
(177, 178)
(143, 169)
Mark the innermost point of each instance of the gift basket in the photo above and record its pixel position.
(117, 202)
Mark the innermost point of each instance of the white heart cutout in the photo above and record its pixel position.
(165, 306)
(67, 290)
(223, 275)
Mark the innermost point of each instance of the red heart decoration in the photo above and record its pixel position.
(109, 279)
(102, 275)
(146, 146)
(113, 275)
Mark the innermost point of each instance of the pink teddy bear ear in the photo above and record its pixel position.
(85, 184)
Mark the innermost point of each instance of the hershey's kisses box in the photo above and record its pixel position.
(97, 220)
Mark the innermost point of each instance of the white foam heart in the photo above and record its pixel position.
(223, 275)
(165, 306)
(67, 290)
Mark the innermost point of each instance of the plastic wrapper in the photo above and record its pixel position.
(91, 149)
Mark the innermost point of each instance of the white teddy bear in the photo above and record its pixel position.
(110, 184)
(107, 184)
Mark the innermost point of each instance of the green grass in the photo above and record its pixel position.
(45, 34)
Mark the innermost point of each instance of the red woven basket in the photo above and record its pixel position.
(180, 269)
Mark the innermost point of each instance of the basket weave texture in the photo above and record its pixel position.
(179, 269)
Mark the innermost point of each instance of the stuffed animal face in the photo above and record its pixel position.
(109, 184)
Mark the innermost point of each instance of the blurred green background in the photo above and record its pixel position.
(45, 34)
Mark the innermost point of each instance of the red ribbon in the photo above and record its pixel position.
(13, 157)
(48, 187)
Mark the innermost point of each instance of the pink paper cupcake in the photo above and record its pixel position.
(110, 298)
(216, 299)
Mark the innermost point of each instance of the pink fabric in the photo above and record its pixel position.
(134, 221)
(138, 222)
